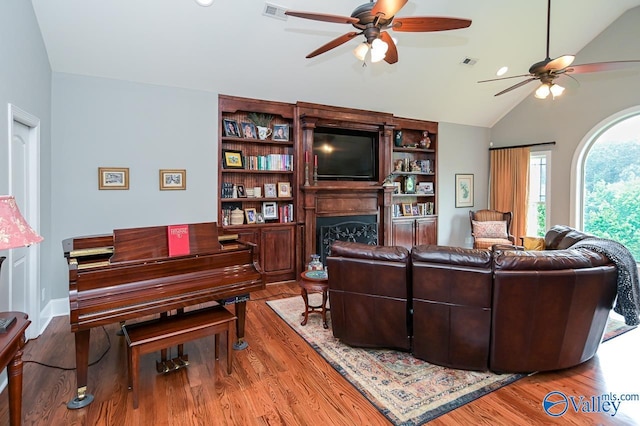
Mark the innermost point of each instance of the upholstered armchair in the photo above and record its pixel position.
(489, 227)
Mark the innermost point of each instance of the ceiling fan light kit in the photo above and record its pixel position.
(204, 3)
(372, 20)
(549, 69)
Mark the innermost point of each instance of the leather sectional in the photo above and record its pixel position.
(504, 310)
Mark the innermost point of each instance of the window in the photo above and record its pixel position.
(611, 186)
(538, 212)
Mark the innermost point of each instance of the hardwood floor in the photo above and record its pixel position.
(281, 380)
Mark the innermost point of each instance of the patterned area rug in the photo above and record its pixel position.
(406, 390)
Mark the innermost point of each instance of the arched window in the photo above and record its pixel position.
(608, 191)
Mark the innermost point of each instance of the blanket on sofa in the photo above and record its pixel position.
(628, 300)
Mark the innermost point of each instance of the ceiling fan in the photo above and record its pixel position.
(372, 19)
(549, 69)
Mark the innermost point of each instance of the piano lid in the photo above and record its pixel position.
(151, 243)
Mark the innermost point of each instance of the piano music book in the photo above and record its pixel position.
(178, 238)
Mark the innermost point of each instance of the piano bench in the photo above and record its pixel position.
(157, 334)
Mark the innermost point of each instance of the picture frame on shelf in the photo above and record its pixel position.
(415, 210)
(464, 190)
(410, 184)
(425, 188)
(270, 190)
(250, 215)
(249, 130)
(407, 210)
(232, 159)
(270, 210)
(231, 128)
(241, 191)
(280, 132)
(113, 178)
(284, 189)
(173, 179)
(397, 188)
(259, 218)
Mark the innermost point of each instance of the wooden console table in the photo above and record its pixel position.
(11, 344)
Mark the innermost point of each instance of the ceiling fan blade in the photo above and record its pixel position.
(333, 43)
(515, 86)
(559, 63)
(387, 8)
(429, 23)
(338, 19)
(602, 66)
(392, 53)
(505, 78)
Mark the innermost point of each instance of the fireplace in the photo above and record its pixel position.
(359, 229)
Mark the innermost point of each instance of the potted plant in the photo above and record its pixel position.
(262, 122)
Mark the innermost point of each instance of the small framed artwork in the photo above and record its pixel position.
(270, 210)
(231, 128)
(410, 184)
(284, 189)
(259, 218)
(173, 179)
(232, 159)
(249, 130)
(415, 210)
(407, 210)
(270, 190)
(113, 178)
(425, 188)
(241, 192)
(280, 132)
(250, 214)
(464, 190)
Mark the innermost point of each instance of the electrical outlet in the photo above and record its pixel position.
(44, 294)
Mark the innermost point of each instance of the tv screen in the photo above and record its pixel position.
(346, 154)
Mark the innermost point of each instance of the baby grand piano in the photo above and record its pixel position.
(129, 274)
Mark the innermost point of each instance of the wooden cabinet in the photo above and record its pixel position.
(414, 199)
(408, 232)
(257, 179)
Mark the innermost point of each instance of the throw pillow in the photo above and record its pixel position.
(533, 243)
(490, 229)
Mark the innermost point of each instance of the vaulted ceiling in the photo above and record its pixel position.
(232, 47)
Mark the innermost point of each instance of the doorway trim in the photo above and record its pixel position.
(31, 211)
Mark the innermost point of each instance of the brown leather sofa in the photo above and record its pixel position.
(505, 310)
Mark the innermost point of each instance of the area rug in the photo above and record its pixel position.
(406, 390)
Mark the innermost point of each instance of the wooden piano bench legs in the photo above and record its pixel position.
(155, 335)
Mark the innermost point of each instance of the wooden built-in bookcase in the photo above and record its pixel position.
(286, 243)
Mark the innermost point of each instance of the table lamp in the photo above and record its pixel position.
(14, 232)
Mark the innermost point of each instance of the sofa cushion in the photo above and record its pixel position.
(451, 255)
(490, 229)
(365, 251)
(554, 235)
(570, 238)
(533, 243)
(548, 260)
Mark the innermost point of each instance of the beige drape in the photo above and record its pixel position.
(509, 186)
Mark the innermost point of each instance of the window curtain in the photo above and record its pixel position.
(509, 186)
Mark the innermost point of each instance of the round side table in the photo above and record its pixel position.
(314, 282)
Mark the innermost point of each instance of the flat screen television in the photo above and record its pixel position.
(345, 154)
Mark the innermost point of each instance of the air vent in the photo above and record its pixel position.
(469, 61)
(273, 11)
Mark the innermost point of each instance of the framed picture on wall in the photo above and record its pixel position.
(464, 190)
(113, 178)
(173, 179)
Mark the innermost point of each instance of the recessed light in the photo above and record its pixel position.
(502, 71)
(204, 3)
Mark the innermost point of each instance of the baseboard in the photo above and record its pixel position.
(55, 308)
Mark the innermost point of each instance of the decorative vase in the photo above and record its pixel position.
(237, 217)
(315, 264)
(397, 140)
(264, 132)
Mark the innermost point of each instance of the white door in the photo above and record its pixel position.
(23, 263)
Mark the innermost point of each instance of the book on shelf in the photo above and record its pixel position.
(178, 239)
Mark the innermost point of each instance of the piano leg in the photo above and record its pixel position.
(82, 398)
(241, 313)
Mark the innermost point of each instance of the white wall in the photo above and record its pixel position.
(461, 150)
(25, 81)
(109, 123)
(569, 118)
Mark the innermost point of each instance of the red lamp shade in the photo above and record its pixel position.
(14, 230)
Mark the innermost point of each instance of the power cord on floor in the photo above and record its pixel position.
(73, 368)
(274, 295)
